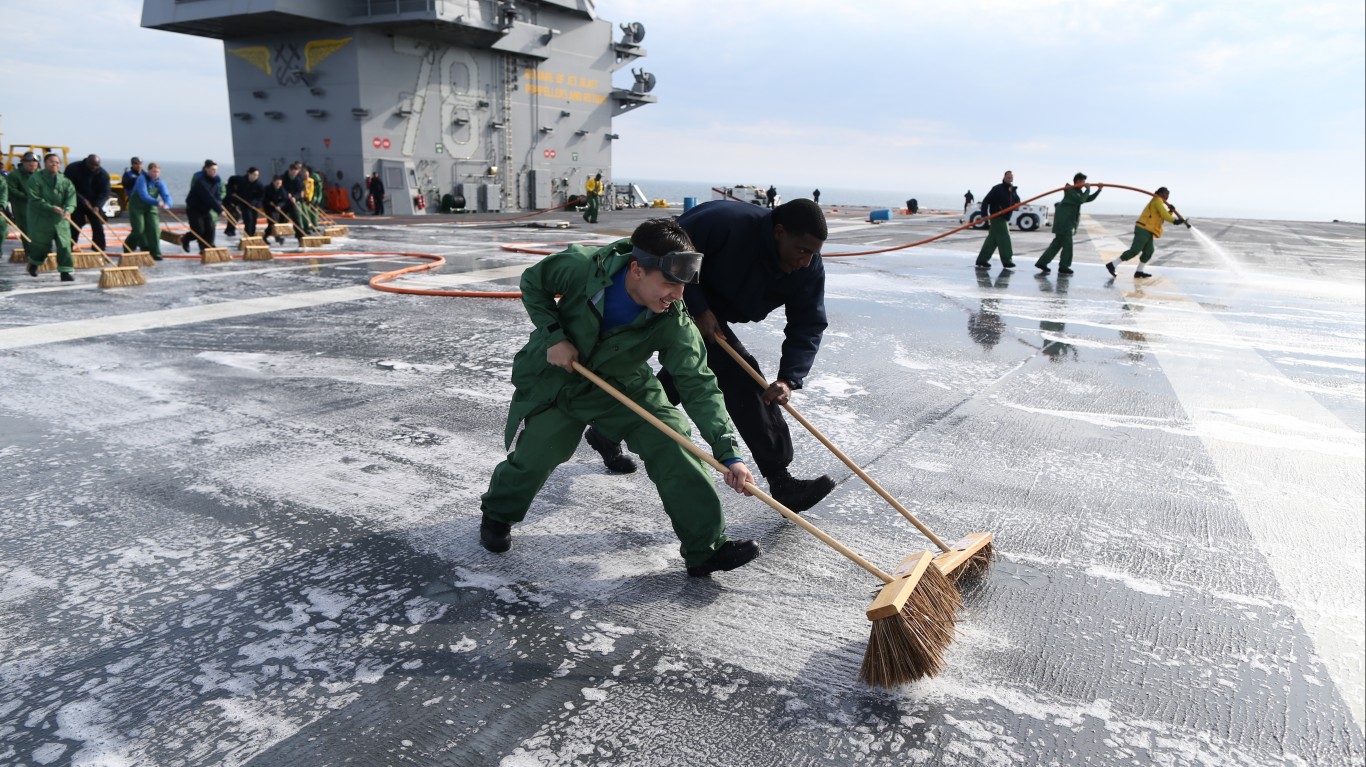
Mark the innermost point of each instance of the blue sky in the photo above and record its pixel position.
(1242, 108)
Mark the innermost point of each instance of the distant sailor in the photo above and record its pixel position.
(128, 181)
(1065, 225)
(754, 261)
(1001, 196)
(146, 200)
(1146, 229)
(594, 189)
(51, 199)
(203, 203)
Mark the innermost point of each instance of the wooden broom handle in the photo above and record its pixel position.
(97, 248)
(258, 210)
(715, 464)
(838, 453)
(16, 226)
(202, 241)
(122, 242)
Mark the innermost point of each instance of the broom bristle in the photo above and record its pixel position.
(121, 277)
(86, 259)
(50, 264)
(214, 256)
(136, 258)
(910, 645)
(256, 253)
(17, 256)
(976, 566)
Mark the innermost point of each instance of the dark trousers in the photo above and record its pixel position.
(379, 204)
(245, 215)
(761, 426)
(82, 215)
(201, 223)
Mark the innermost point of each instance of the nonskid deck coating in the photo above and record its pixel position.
(248, 535)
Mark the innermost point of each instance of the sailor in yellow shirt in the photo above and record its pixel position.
(594, 189)
(1147, 229)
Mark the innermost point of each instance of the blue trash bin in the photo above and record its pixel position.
(689, 203)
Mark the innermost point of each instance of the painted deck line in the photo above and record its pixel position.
(57, 332)
(1286, 471)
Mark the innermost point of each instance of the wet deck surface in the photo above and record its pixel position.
(240, 510)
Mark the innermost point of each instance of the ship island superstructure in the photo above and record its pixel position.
(500, 104)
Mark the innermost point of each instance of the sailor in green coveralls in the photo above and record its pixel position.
(51, 198)
(1065, 225)
(17, 185)
(619, 306)
(4, 208)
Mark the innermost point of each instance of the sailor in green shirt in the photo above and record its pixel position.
(619, 305)
(1065, 225)
(51, 198)
(17, 184)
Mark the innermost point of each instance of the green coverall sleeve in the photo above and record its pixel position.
(686, 360)
(540, 284)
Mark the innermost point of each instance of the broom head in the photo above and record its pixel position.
(967, 558)
(251, 240)
(121, 277)
(336, 230)
(315, 241)
(169, 236)
(87, 259)
(50, 264)
(913, 619)
(215, 256)
(17, 256)
(284, 230)
(136, 258)
(256, 253)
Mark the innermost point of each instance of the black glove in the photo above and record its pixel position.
(1179, 221)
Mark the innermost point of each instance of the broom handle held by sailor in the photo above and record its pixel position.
(16, 226)
(123, 243)
(202, 241)
(838, 453)
(715, 464)
(97, 248)
(253, 207)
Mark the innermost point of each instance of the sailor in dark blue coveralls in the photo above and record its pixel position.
(755, 260)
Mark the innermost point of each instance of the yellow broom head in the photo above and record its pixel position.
(87, 259)
(169, 236)
(909, 643)
(215, 256)
(17, 256)
(284, 230)
(49, 265)
(256, 253)
(136, 258)
(315, 241)
(249, 241)
(336, 231)
(121, 277)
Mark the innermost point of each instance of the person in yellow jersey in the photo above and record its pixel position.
(1147, 229)
(594, 189)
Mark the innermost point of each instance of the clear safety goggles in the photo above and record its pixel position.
(679, 266)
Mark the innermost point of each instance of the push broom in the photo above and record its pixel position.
(970, 556)
(914, 612)
(208, 254)
(114, 276)
(307, 240)
(256, 249)
(280, 229)
(16, 256)
(330, 226)
(127, 257)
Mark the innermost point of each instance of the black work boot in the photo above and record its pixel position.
(730, 555)
(32, 270)
(68, 277)
(800, 494)
(494, 535)
(612, 457)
